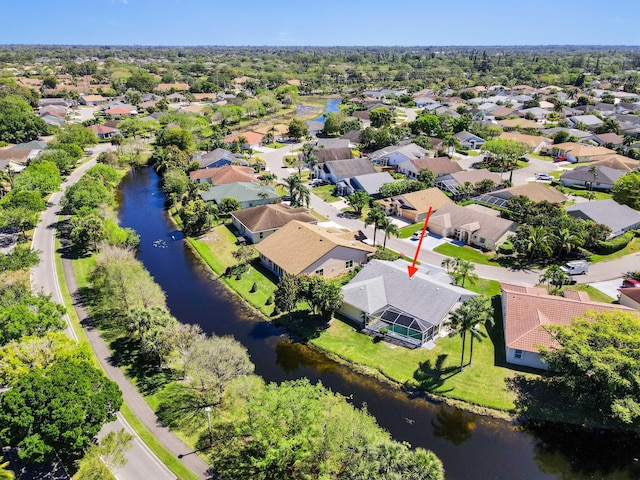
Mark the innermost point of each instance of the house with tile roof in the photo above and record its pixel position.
(223, 175)
(578, 152)
(470, 226)
(396, 154)
(617, 162)
(103, 132)
(522, 123)
(536, 192)
(610, 140)
(257, 223)
(534, 142)
(219, 158)
(469, 141)
(630, 297)
(248, 194)
(92, 100)
(619, 218)
(438, 165)
(414, 205)
(598, 177)
(451, 183)
(301, 248)
(590, 121)
(337, 170)
(382, 295)
(254, 140)
(528, 313)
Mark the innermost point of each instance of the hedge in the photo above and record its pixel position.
(612, 246)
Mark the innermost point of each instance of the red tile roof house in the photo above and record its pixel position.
(223, 175)
(254, 140)
(528, 312)
(119, 112)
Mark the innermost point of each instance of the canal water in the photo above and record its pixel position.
(470, 446)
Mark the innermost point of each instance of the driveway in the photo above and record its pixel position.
(609, 287)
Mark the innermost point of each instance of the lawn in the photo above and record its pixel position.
(326, 193)
(276, 145)
(466, 253)
(435, 371)
(406, 232)
(594, 294)
(631, 248)
(580, 192)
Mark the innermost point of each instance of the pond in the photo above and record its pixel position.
(470, 446)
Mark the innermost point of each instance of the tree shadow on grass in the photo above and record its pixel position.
(148, 377)
(431, 378)
(303, 324)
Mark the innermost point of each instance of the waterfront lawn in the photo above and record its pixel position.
(466, 253)
(435, 371)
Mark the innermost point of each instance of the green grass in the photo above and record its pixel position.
(580, 192)
(546, 158)
(326, 193)
(466, 253)
(484, 286)
(406, 232)
(594, 294)
(631, 248)
(275, 145)
(434, 371)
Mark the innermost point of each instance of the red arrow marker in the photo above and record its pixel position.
(412, 268)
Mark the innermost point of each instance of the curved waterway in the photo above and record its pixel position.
(470, 446)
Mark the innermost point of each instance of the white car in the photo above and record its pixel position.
(544, 176)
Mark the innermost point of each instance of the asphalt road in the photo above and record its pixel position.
(141, 462)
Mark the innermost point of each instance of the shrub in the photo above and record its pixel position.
(254, 288)
(506, 248)
(612, 246)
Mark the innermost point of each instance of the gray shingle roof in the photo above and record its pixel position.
(607, 212)
(382, 283)
(241, 191)
(350, 168)
(371, 182)
(606, 175)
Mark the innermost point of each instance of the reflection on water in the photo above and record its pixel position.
(470, 446)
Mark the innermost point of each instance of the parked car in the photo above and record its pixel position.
(524, 159)
(417, 233)
(630, 283)
(576, 267)
(561, 158)
(544, 176)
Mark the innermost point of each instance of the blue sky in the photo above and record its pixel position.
(323, 22)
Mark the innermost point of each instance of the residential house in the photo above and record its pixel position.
(301, 248)
(618, 162)
(254, 140)
(630, 297)
(534, 142)
(529, 312)
(609, 140)
(499, 113)
(597, 177)
(323, 143)
(451, 183)
(536, 113)
(219, 158)
(580, 135)
(248, 194)
(396, 154)
(520, 123)
(438, 165)
(223, 175)
(328, 154)
(577, 152)
(315, 127)
(53, 120)
(469, 141)
(414, 206)
(257, 223)
(176, 98)
(590, 121)
(470, 226)
(103, 132)
(120, 112)
(14, 159)
(172, 87)
(536, 192)
(35, 147)
(92, 100)
(619, 218)
(337, 170)
(411, 311)
(370, 182)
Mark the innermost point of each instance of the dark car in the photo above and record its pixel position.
(524, 159)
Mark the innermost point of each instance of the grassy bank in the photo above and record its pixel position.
(466, 253)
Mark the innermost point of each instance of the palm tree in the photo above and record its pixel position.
(468, 319)
(303, 197)
(589, 195)
(565, 240)
(464, 270)
(538, 242)
(594, 171)
(451, 142)
(554, 275)
(374, 217)
(449, 264)
(291, 183)
(390, 229)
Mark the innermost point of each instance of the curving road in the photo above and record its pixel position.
(141, 462)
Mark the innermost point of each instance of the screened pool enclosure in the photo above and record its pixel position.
(401, 326)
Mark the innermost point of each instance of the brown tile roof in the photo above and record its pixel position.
(252, 137)
(272, 216)
(633, 293)
(617, 162)
(579, 150)
(438, 165)
(118, 111)
(204, 96)
(280, 129)
(530, 311)
(612, 138)
(94, 98)
(481, 224)
(14, 155)
(501, 112)
(521, 123)
(474, 176)
(531, 141)
(101, 129)
(165, 87)
(224, 175)
(423, 199)
(536, 192)
(298, 245)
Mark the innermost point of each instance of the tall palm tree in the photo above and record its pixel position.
(390, 229)
(449, 264)
(566, 241)
(374, 217)
(303, 196)
(554, 275)
(451, 142)
(291, 183)
(594, 171)
(468, 319)
(464, 270)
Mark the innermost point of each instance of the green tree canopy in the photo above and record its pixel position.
(57, 410)
(28, 314)
(626, 190)
(18, 123)
(297, 129)
(43, 177)
(74, 133)
(88, 193)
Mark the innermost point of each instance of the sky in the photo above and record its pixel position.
(320, 22)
